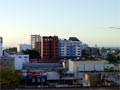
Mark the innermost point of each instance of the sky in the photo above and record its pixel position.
(92, 21)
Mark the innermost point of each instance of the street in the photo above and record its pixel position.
(92, 88)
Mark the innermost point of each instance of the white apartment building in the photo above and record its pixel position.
(1, 43)
(23, 47)
(70, 48)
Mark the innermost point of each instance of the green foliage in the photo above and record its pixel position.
(11, 50)
(32, 53)
(9, 77)
(109, 69)
(112, 58)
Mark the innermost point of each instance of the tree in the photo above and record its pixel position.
(111, 58)
(11, 50)
(9, 77)
(32, 53)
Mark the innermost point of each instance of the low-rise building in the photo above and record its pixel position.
(38, 71)
(23, 47)
(19, 60)
(82, 72)
(87, 65)
(90, 51)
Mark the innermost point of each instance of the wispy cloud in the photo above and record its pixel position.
(114, 27)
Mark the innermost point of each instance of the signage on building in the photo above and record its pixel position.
(33, 73)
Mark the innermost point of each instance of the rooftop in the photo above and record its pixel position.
(42, 65)
(74, 39)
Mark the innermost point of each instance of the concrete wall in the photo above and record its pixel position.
(71, 65)
(88, 65)
(19, 60)
(53, 76)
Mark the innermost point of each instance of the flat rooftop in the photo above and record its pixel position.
(42, 65)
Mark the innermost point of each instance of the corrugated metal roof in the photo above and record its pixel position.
(42, 65)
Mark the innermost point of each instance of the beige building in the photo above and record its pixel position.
(87, 65)
(117, 67)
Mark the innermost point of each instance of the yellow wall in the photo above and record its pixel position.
(41, 48)
(73, 63)
(91, 62)
(117, 67)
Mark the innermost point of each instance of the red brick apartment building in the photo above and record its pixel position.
(49, 49)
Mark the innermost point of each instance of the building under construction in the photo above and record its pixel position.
(36, 43)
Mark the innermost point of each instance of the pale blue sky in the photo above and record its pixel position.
(92, 21)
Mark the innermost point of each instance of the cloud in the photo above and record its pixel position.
(114, 27)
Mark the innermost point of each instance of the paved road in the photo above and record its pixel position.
(100, 88)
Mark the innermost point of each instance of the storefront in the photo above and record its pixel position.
(35, 78)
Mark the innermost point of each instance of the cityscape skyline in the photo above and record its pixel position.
(93, 22)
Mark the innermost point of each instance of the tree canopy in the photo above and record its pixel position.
(112, 58)
(9, 77)
(11, 50)
(32, 53)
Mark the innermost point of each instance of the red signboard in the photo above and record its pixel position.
(33, 73)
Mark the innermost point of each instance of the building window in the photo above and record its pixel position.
(19, 57)
(25, 57)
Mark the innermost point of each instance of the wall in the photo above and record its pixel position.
(87, 65)
(53, 76)
(69, 48)
(71, 66)
(91, 62)
(20, 60)
(49, 49)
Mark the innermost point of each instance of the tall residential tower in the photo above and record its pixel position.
(49, 49)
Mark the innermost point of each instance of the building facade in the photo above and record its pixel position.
(19, 60)
(1, 45)
(36, 43)
(23, 47)
(49, 49)
(88, 65)
(70, 48)
(38, 71)
(92, 73)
